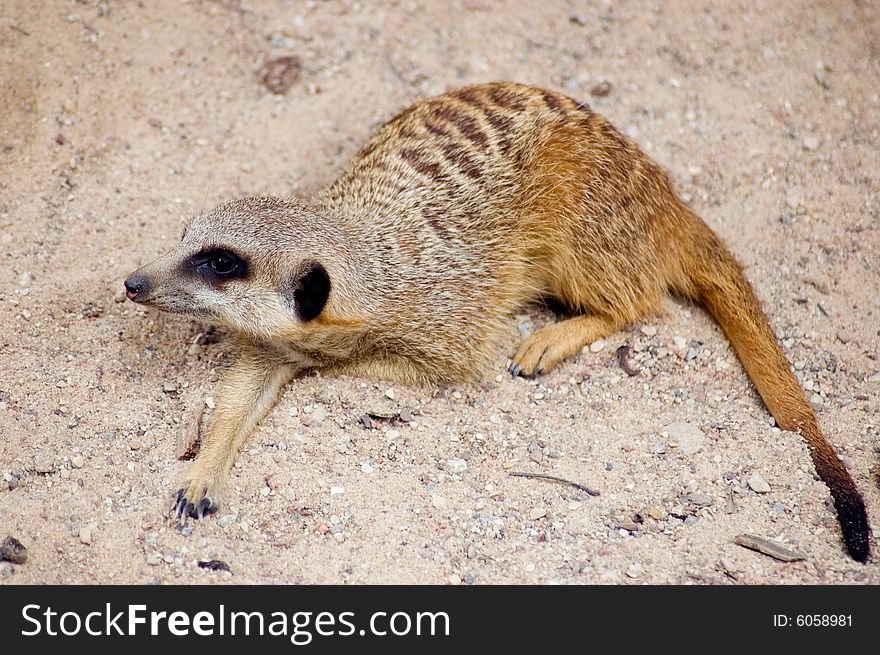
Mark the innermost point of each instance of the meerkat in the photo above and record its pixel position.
(410, 266)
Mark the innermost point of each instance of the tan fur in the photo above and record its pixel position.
(452, 216)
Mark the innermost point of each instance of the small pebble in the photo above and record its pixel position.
(439, 501)
(454, 579)
(169, 387)
(811, 142)
(456, 465)
(13, 550)
(85, 534)
(758, 484)
(389, 393)
(336, 490)
(367, 468)
(279, 74)
(728, 565)
(214, 565)
(537, 513)
(634, 571)
(44, 464)
(6, 570)
(226, 520)
(318, 415)
(700, 499)
(602, 89)
(628, 525)
(597, 346)
(339, 537)
(689, 438)
(77, 462)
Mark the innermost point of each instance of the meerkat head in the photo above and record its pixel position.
(256, 265)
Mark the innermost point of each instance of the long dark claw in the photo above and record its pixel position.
(184, 509)
(204, 507)
(178, 503)
(515, 369)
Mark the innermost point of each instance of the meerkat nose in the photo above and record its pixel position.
(135, 285)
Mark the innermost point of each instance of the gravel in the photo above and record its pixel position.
(86, 370)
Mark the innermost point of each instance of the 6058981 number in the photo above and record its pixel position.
(823, 620)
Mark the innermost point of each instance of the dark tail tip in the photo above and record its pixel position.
(854, 524)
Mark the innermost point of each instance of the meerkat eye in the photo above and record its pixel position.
(220, 264)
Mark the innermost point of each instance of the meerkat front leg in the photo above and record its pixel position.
(551, 344)
(247, 393)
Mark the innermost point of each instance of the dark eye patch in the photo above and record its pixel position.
(219, 265)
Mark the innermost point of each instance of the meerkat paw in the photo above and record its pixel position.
(196, 500)
(553, 343)
(542, 351)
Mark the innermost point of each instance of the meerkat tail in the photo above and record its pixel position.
(714, 279)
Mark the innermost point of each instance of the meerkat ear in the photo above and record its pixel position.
(307, 291)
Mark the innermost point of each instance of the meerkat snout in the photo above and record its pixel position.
(136, 287)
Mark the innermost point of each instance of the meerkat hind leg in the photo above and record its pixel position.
(248, 391)
(551, 344)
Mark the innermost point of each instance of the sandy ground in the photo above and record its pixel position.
(118, 118)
